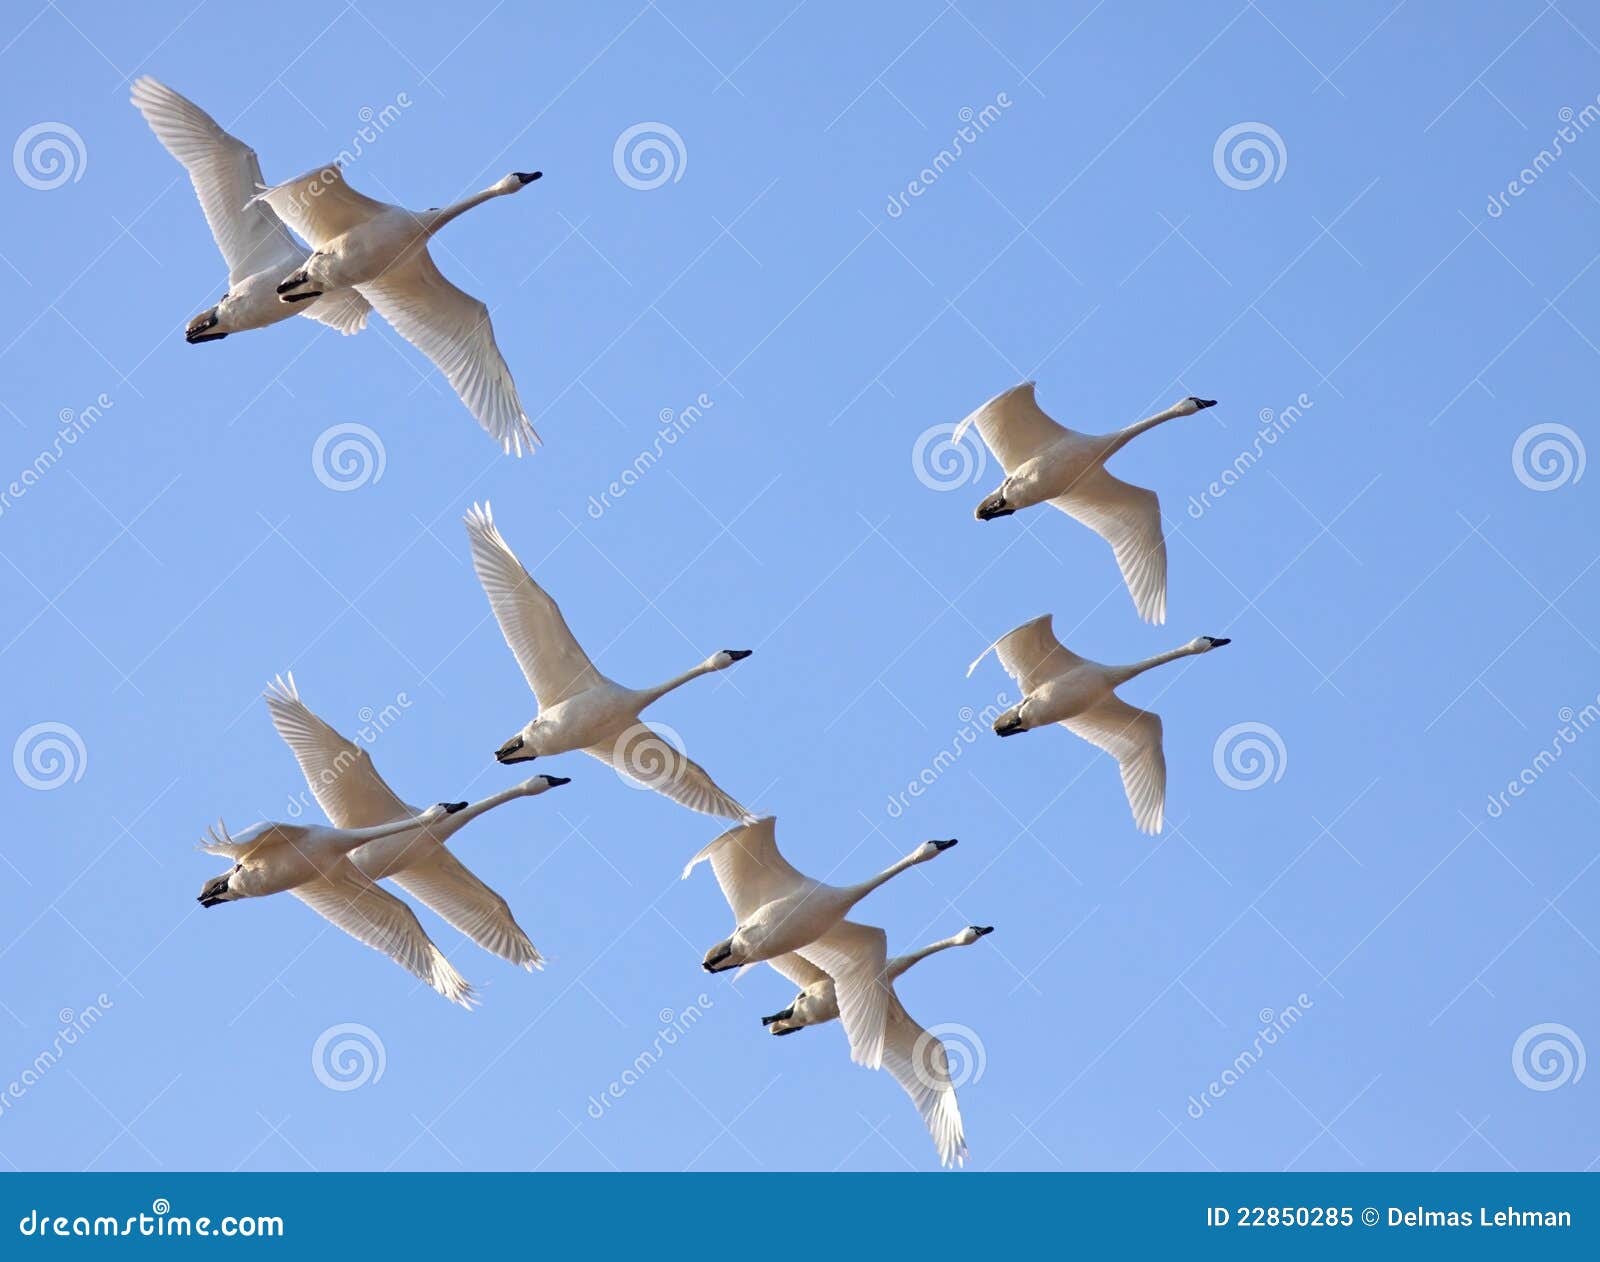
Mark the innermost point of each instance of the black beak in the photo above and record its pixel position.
(1010, 728)
(942, 846)
(1216, 643)
(994, 506)
(778, 1016)
(196, 332)
(450, 808)
(793, 1029)
(527, 177)
(555, 782)
(981, 930)
(1206, 403)
(711, 962)
(503, 754)
(738, 655)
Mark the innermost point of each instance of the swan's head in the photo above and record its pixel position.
(523, 747)
(723, 956)
(517, 181)
(931, 849)
(216, 889)
(972, 933)
(1191, 405)
(204, 327)
(726, 658)
(1205, 643)
(536, 785)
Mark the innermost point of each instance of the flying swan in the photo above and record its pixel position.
(1060, 687)
(382, 252)
(916, 1058)
(579, 708)
(778, 910)
(352, 794)
(254, 242)
(313, 863)
(1047, 462)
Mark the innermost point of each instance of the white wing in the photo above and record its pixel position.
(340, 773)
(1014, 426)
(854, 956)
(1129, 519)
(555, 665)
(225, 174)
(799, 970)
(318, 205)
(749, 867)
(441, 881)
(452, 328)
(341, 309)
(1031, 654)
(680, 777)
(376, 917)
(1133, 737)
(918, 1062)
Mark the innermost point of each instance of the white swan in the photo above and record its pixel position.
(1060, 687)
(579, 708)
(916, 1058)
(382, 251)
(1047, 462)
(352, 794)
(254, 242)
(778, 910)
(313, 863)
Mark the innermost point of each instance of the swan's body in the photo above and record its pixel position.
(256, 246)
(916, 1058)
(779, 910)
(313, 863)
(579, 708)
(352, 794)
(1045, 462)
(1060, 687)
(381, 251)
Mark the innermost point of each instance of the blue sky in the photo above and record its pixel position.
(1412, 620)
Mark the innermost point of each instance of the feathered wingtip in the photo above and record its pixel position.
(282, 688)
(710, 848)
(451, 984)
(971, 418)
(219, 842)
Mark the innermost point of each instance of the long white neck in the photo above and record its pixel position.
(857, 892)
(351, 838)
(1121, 674)
(652, 695)
(433, 220)
(452, 824)
(901, 963)
(1117, 441)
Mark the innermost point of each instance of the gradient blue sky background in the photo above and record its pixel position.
(1409, 616)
